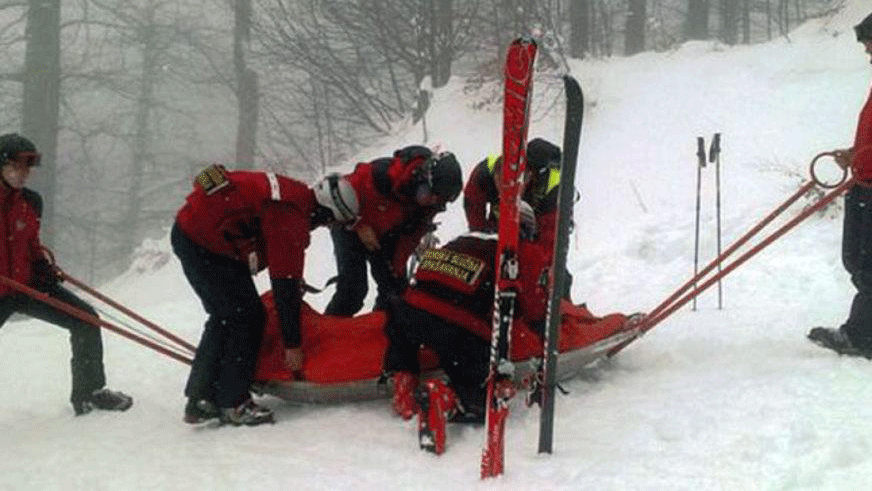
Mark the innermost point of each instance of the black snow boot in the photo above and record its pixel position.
(105, 399)
(199, 411)
(836, 340)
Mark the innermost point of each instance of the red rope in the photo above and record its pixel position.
(653, 320)
(91, 319)
(676, 300)
(151, 325)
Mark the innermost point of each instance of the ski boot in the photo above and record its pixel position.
(403, 402)
(437, 403)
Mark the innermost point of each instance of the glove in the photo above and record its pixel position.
(44, 275)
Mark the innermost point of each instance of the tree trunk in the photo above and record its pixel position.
(634, 34)
(696, 26)
(730, 21)
(580, 28)
(442, 17)
(247, 90)
(42, 101)
(143, 141)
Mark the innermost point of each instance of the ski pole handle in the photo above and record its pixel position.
(700, 151)
(715, 149)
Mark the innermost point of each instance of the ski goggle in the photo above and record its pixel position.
(30, 158)
(864, 32)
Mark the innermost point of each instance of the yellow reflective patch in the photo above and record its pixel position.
(212, 178)
(452, 264)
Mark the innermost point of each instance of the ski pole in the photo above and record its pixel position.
(741, 241)
(715, 156)
(650, 322)
(815, 181)
(90, 319)
(805, 188)
(700, 163)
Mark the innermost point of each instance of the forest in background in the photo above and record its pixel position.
(126, 99)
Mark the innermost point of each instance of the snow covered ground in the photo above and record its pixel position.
(712, 399)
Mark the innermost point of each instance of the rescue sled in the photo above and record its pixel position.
(343, 356)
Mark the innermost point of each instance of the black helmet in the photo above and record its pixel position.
(542, 154)
(864, 29)
(443, 176)
(14, 146)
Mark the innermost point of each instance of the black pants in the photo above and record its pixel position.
(86, 342)
(352, 281)
(226, 357)
(463, 355)
(857, 259)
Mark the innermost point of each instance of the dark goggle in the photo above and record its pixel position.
(29, 158)
(864, 32)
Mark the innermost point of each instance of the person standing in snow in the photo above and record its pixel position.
(399, 196)
(854, 337)
(233, 225)
(24, 260)
(481, 196)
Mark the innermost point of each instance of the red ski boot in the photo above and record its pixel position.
(405, 384)
(438, 403)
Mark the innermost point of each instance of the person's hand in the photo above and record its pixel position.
(843, 157)
(294, 358)
(45, 276)
(368, 237)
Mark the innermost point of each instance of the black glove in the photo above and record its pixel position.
(44, 275)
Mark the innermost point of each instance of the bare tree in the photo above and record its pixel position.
(729, 13)
(42, 98)
(634, 33)
(580, 28)
(364, 59)
(247, 90)
(696, 25)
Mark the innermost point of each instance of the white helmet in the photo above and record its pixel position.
(335, 193)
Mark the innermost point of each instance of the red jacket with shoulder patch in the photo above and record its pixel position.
(21, 210)
(260, 218)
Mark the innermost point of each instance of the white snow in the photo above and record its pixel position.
(712, 399)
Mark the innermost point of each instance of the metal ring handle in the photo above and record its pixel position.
(814, 177)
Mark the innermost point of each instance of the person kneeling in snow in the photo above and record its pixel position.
(24, 260)
(448, 309)
(233, 225)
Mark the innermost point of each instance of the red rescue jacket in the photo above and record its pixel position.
(862, 150)
(260, 218)
(481, 201)
(21, 210)
(386, 194)
(456, 283)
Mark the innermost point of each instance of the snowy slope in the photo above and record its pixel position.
(713, 399)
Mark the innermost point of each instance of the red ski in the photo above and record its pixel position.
(519, 83)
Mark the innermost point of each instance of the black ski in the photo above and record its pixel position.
(566, 195)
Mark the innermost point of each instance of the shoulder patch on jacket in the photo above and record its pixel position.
(34, 199)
